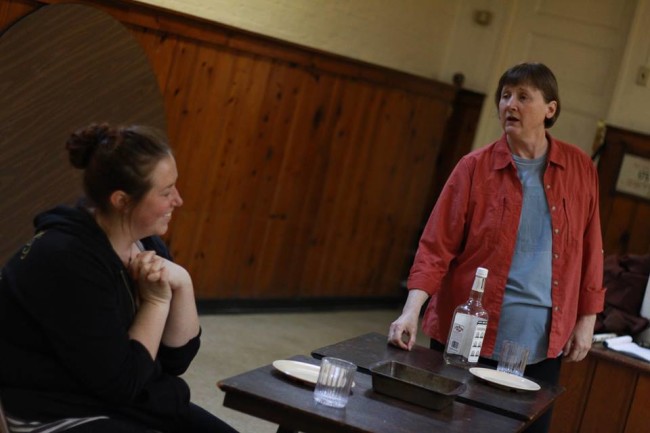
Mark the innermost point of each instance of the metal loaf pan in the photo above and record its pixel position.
(414, 385)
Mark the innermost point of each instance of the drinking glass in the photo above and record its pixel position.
(513, 358)
(334, 382)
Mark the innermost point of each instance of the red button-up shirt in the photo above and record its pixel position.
(475, 221)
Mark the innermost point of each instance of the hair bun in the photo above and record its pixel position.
(82, 144)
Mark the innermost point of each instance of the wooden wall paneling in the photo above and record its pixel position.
(321, 114)
(375, 217)
(286, 251)
(334, 256)
(416, 204)
(194, 95)
(374, 171)
(176, 84)
(248, 157)
(374, 272)
(287, 175)
(312, 136)
(224, 200)
(319, 162)
(268, 224)
(160, 49)
(576, 377)
(458, 136)
(608, 166)
(604, 414)
(418, 144)
(616, 232)
(354, 245)
(639, 241)
(639, 415)
(301, 171)
(386, 186)
(323, 227)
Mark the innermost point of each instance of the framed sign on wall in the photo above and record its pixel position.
(634, 176)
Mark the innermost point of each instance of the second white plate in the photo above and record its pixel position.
(299, 370)
(504, 379)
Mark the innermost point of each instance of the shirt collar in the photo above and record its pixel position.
(503, 156)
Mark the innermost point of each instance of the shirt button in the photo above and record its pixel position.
(556, 256)
(553, 208)
(548, 186)
(556, 308)
(555, 283)
(556, 231)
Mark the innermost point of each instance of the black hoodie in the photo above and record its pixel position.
(66, 304)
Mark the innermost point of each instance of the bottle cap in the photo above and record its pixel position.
(481, 272)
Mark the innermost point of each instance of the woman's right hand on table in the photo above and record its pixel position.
(403, 331)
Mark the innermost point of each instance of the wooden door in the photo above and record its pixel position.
(582, 41)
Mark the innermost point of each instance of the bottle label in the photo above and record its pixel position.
(480, 326)
(466, 337)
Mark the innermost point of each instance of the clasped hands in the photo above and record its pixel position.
(157, 277)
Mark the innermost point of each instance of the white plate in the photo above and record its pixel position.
(504, 379)
(299, 370)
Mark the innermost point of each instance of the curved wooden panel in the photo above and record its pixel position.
(61, 67)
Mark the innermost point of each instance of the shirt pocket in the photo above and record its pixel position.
(569, 231)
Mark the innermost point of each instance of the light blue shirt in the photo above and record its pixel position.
(526, 310)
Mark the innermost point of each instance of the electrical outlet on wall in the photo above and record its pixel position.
(642, 76)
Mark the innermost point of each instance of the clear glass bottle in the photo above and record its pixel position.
(468, 327)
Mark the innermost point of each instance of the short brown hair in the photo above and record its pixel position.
(536, 75)
(116, 158)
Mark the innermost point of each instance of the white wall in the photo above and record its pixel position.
(630, 106)
(409, 35)
(473, 48)
(431, 38)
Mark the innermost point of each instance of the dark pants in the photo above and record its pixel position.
(547, 371)
(198, 421)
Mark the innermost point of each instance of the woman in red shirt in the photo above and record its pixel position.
(538, 234)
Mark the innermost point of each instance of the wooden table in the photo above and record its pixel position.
(368, 349)
(268, 394)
